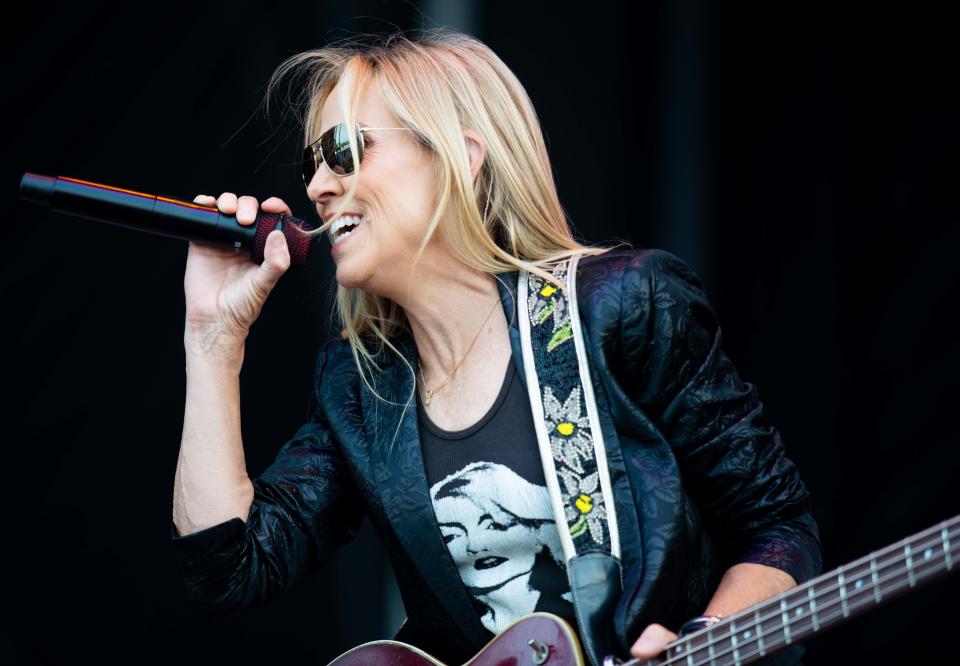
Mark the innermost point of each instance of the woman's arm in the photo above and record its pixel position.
(747, 584)
(211, 483)
(742, 586)
(304, 506)
(751, 498)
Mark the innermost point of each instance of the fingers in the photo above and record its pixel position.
(652, 641)
(245, 208)
(227, 203)
(276, 205)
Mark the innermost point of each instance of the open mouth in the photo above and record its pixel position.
(344, 227)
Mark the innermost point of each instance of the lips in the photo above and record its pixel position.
(488, 562)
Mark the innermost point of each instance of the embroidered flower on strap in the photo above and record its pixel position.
(587, 511)
(569, 429)
(565, 418)
(546, 300)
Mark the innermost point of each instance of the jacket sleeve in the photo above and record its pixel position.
(304, 507)
(732, 460)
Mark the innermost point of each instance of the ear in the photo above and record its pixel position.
(476, 149)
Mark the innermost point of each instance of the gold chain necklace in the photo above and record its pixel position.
(430, 392)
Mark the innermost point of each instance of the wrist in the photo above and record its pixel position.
(227, 355)
(213, 338)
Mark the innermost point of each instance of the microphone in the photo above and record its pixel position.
(166, 216)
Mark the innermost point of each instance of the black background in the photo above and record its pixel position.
(803, 159)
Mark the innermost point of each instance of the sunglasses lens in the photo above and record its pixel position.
(309, 165)
(333, 147)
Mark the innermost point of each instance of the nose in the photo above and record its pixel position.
(324, 185)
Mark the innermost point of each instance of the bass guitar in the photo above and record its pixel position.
(746, 636)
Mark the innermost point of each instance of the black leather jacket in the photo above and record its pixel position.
(699, 476)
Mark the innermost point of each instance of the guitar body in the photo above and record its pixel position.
(555, 644)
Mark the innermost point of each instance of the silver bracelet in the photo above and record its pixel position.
(697, 623)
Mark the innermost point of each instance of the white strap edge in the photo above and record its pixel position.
(536, 404)
(593, 414)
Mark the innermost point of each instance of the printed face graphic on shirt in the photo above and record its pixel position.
(495, 524)
(484, 539)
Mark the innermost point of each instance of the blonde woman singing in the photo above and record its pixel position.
(425, 161)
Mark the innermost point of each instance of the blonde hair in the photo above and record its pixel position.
(437, 84)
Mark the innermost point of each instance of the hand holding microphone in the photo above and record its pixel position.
(225, 291)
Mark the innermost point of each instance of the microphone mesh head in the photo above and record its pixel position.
(298, 243)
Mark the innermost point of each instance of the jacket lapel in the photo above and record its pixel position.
(596, 321)
(402, 485)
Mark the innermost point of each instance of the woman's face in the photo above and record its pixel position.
(395, 198)
(485, 540)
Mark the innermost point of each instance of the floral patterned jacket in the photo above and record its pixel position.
(700, 478)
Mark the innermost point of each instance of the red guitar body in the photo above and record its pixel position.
(538, 638)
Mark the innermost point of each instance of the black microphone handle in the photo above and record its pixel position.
(166, 216)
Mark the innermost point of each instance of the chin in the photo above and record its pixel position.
(349, 279)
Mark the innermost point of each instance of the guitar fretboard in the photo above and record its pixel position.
(822, 602)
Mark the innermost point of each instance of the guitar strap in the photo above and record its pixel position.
(572, 450)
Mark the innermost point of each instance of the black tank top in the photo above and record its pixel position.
(490, 498)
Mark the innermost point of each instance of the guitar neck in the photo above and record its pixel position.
(820, 603)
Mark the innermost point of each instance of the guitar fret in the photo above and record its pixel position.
(786, 620)
(910, 576)
(876, 578)
(759, 623)
(710, 645)
(843, 595)
(945, 537)
(733, 639)
(813, 608)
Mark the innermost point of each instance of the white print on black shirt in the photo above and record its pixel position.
(495, 524)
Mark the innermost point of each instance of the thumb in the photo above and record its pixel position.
(652, 641)
(276, 258)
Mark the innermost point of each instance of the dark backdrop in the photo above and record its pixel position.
(803, 160)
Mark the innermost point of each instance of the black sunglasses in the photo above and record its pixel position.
(333, 149)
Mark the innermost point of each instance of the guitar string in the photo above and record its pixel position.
(776, 642)
(824, 613)
(772, 638)
(779, 610)
(832, 576)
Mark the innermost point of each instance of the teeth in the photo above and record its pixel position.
(343, 236)
(344, 221)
